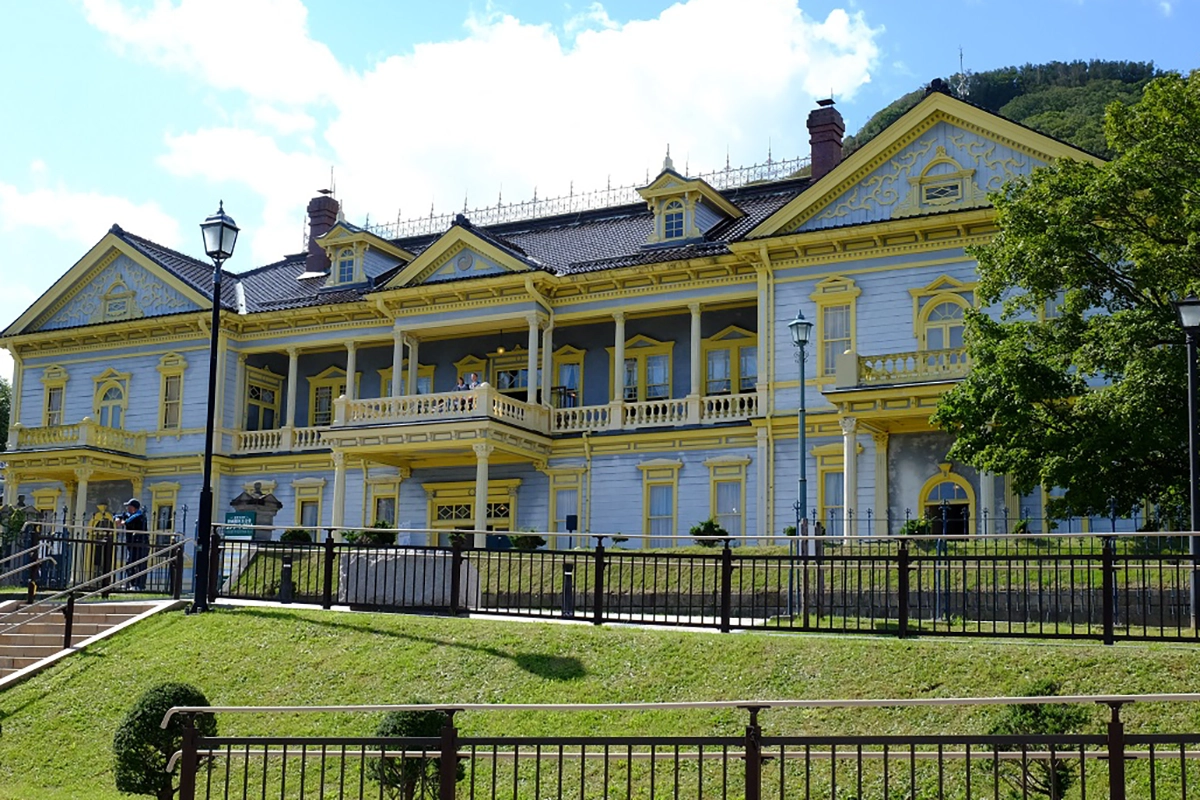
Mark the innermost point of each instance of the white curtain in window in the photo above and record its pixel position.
(718, 371)
(657, 379)
(729, 511)
(748, 368)
(662, 506)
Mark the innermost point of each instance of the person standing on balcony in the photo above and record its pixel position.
(461, 386)
(474, 384)
(137, 541)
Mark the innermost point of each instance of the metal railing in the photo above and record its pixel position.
(1102, 759)
(1131, 586)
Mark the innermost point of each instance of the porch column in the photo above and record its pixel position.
(11, 480)
(14, 415)
(548, 364)
(531, 381)
(293, 379)
(618, 393)
(351, 369)
(766, 349)
(987, 503)
(339, 489)
(850, 475)
(412, 366)
(696, 356)
(239, 396)
(397, 361)
(482, 451)
(82, 475)
(880, 526)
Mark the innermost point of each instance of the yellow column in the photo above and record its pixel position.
(695, 309)
(82, 475)
(548, 364)
(482, 451)
(397, 361)
(14, 409)
(412, 366)
(351, 370)
(850, 474)
(532, 365)
(293, 378)
(339, 490)
(618, 393)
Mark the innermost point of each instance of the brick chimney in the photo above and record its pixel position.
(322, 216)
(825, 129)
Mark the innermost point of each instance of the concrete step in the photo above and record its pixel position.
(51, 627)
(22, 638)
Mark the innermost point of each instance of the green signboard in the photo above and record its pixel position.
(234, 519)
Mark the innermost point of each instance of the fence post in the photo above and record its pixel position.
(177, 571)
(598, 585)
(726, 585)
(448, 761)
(69, 620)
(215, 557)
(1108, 587)
(189, 760)
(107, 561)
(327, 574)
(902, 565)
(456, 563)
(1116, 754)
(753, 755)
(35, 536)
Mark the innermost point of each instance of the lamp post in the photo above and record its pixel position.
(220, 234)
(801, 331)
(1188, 311)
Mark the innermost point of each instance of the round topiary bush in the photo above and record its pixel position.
(296, 536)
(411, 778)
(142, 747)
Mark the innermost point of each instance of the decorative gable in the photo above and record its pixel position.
(461, 252)
(115, 289)
(464, 262)
(684, 209)
(357, 255)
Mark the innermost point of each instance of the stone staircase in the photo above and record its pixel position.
(33, 642)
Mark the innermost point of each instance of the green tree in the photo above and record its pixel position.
(143, 748)
(5, 411)
(411, 777)
(1051, 777)
(1079, 382)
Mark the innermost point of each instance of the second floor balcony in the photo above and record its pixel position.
(85, 433)
(893, 369)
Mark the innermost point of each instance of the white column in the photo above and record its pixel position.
(764, 526)
(412, 366)
(293, 379)
(532, 365)
(397, 361)
(880, 525)
(548, 364)
(351, 370)
(11, 480)
(987, 503)
(695, 309)
(14, 409)
(766, 349)
(82, 475)
(850, 474)
(339, 489)
(618, 393)
(239, 400)
(482, 451)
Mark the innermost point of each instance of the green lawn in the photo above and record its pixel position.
(57, 728)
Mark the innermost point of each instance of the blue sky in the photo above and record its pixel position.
(145, 113)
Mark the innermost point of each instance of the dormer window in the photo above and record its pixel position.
(345, 266)
(673, 220)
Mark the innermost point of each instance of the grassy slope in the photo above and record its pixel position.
(57, 728)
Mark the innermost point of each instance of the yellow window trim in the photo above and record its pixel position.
(468, 364)
(923, 324)
(828, 293)
(172, 365)
(382, 487)
(942, 287)
(733, 339)
(461, 492)
(309, 490)
(660, 472)
(106, 380)
(565, 479)
(639, 348)
(334, 378)
(728, 469)
(512, 358)
(385, 377)
(263, 378)
(46, 499)
(568, 355)
(337, 253)
(163, 493)
(54, 377)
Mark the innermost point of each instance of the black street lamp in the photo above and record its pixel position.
(801, 332)
(1188, 311)
(220, 234)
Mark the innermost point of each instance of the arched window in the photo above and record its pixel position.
(944, 326)
(673, 220)
(948, 501)
(110, 406)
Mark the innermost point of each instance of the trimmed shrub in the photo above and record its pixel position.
(296, 536)
(526, 541)
(707, 528)
(411, 778)
(142, 748)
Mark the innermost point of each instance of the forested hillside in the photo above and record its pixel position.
(1065, 100)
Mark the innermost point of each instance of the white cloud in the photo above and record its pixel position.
(508, 104)
(83, 217)
(1166, 8)
(260, 47)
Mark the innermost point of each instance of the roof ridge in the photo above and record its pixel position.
(129, 235)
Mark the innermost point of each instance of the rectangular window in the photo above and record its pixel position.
(262, 405)
(346, 268)
(718, 372)
(729, 509)
(164, 518)
(566, 503)
(832, 484)
(385, 511)
(748, 368)
(310, 511)
(54, 405)
(660, 517)
(673, 225)
(631, 379)
(566, 387)
(323, 397)
(172, 407)
(835, 335)
(658, 379)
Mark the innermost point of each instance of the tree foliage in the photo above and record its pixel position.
(1079, 380)
(143, 748)
(411, 777)
(1065, 100)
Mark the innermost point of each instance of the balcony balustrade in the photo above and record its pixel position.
(85, 433)
(921, 366)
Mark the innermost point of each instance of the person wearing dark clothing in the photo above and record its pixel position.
(137, 542)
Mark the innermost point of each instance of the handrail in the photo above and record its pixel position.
(74, 589)
(758, 705)
(24, 552)
(24, 567)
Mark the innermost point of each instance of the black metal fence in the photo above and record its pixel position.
(1114, 764)
(1109, 588)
